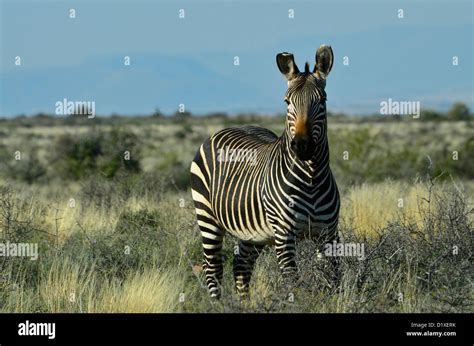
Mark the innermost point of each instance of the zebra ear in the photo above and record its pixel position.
(324, 60)
(286, 65)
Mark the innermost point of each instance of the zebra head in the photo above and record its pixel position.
(306, 100)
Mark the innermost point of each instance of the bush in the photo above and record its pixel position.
(459, 111)
(17, 228)
(373, 157)
(185, 130)
(28, 169)
(407, 268)
(428, 114)
(138, 240)
(174, 170)
(97, 153)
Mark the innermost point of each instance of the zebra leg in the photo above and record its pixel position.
(244, 262)
(211, 232)
(212, 238)
(285, 246)
(335, 264)
(333, 261)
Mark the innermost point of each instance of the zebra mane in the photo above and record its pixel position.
(306, 68)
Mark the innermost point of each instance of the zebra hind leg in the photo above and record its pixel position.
(212, 238)
(244, 262)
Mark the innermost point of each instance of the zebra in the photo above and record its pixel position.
(280, 189)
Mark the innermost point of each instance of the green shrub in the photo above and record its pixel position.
(185, 130)
(459, 111)
(29, 169)
(104, 153)
(174, 170)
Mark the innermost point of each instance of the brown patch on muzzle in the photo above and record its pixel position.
(301, 127)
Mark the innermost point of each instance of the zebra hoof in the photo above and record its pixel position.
(244, 297)
(215, 293)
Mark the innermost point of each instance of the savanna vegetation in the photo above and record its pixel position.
(107, 200)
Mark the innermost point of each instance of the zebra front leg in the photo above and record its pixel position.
(285, 246)
(335, 264)
(244, 262)
(334, 261)
(212, 238)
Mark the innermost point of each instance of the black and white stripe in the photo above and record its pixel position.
(284, 191)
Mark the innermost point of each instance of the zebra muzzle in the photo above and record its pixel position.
(303, 146)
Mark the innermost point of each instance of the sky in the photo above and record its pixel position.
(190, 60)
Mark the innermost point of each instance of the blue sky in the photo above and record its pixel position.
(191, 60)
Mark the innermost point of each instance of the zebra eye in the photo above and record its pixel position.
(287, 102)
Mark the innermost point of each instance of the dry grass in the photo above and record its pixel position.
(367, 207)
(87, 270)
(66, 286)
(146, 292)
(371, 207)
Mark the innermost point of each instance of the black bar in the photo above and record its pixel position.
(219, 329)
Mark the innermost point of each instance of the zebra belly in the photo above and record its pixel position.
(314, 230)
(239, 208)
(253, 236)
(246, 222)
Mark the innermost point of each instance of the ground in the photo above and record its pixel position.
(117, 237)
